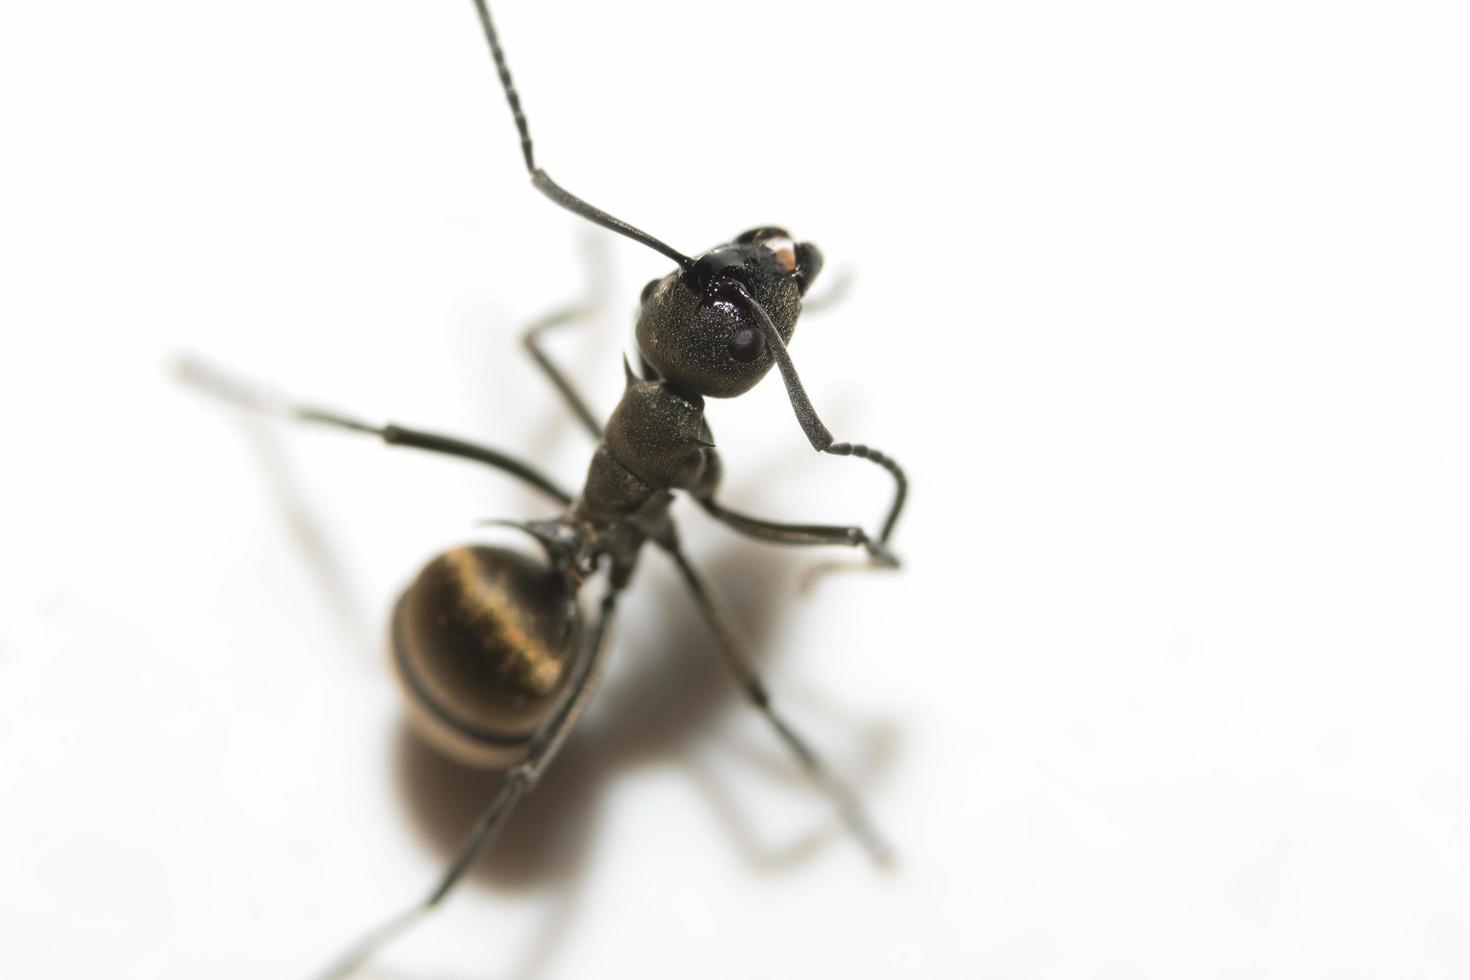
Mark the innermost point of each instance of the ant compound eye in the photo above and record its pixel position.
(784, 249)
(747, 344)
(648, 290)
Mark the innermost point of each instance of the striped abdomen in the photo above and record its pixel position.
(485, 641)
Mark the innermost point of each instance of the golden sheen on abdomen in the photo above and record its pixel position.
(484, 643)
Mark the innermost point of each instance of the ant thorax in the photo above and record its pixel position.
(655, 441)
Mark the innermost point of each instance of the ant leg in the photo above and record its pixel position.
(738, 659)
(817, 434)
(569, 393)
(249, 396)
(807, 534)
(595, 259)
(519, 781)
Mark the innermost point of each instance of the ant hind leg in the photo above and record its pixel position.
(519, 781)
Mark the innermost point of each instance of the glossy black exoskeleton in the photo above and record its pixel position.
(492, 648)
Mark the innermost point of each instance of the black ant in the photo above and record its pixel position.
(492, 647)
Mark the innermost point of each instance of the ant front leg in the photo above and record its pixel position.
(595, 295)
(800, 534)
(568, 391)
(776, 532)
(817, 434)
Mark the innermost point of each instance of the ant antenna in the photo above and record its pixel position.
(818, 434)
(541, 180)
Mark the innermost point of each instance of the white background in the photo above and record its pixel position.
(1163, 306)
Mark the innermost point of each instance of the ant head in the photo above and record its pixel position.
(696, 327)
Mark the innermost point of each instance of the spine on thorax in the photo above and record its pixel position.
(654, 442)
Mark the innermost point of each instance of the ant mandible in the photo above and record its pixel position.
(495, 655)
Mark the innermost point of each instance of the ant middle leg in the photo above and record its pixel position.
(741, 664)
(247, 395)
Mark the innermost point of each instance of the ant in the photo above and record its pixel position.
(495, 655)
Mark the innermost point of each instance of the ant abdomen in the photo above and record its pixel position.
(484, 643)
